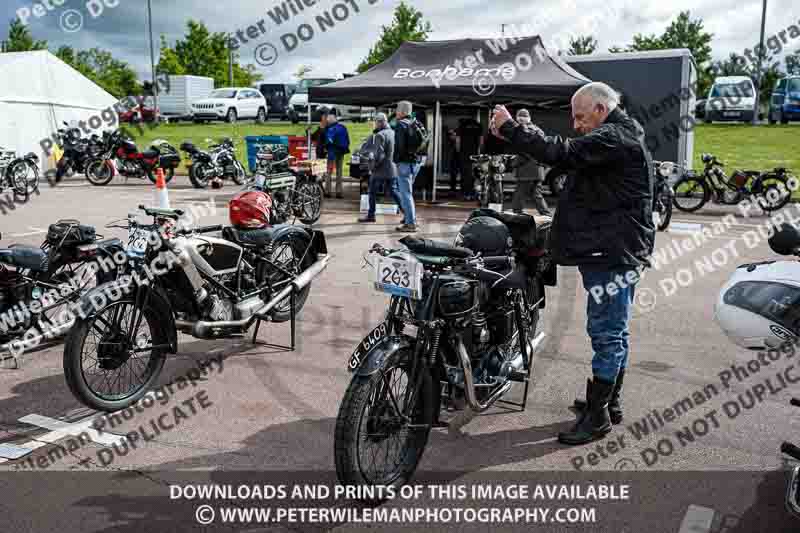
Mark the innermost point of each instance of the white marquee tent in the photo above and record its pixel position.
(38, 92)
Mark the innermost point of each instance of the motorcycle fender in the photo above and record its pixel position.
(372, 360)
(282, 230)
(125, 288)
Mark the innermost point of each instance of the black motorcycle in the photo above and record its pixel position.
(489, 171)
(120, 155)
(183, 279)
(37, 285)
(460, 330)
(664, 195)
(770, 190)
(21, 174)
(219, 162)
(78, 152)
(294, 193)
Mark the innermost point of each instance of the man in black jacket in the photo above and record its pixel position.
(604, 225)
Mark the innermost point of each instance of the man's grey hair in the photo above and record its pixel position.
(599, 93)
(381, 118)
(405, 107)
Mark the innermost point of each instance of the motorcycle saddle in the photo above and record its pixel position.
(28, 257)
(436, 248)
(150, 154)
(248, 237)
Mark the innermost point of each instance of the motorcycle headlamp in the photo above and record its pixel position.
(666, 168)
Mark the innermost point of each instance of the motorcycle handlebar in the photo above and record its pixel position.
(499, 262)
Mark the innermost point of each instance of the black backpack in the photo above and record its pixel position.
(418, 138)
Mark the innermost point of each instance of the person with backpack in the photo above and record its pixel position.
(337, 143)
(410, 139)
(379, 148)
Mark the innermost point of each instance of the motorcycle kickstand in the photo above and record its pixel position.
(292, 326)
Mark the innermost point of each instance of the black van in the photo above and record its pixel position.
(277, 95)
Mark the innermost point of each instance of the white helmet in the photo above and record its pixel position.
(759, 307)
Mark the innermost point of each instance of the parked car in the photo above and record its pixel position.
(277, 96)
(144, 112)
(298, 104)
(731, 98)
(785, 102)
(231, 104)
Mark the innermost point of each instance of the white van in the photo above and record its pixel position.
(298, 104)
(731, 98)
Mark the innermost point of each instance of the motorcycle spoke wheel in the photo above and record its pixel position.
(776, 195)
(308, 198)
(383, 433)
(114, 369)
(690, 194)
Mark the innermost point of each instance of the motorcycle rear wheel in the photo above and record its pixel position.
(308, 199)
(368, 418)
(287, 252)
(196, 176)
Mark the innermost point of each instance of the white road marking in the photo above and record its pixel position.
(36, 231)
(60, 429)
(697, 520)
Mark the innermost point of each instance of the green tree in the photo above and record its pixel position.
(734, 65)
(20, 38)
(204, 53)
(582, 45)
(407, 25)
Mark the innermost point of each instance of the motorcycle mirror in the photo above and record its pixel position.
(785, 240)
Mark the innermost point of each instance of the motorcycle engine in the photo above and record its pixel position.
(490, 337)
(218, 309)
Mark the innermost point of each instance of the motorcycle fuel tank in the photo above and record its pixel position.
(214, 256)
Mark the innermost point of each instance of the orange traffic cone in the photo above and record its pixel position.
(162, 196)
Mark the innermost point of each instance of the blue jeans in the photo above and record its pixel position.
(608, 311)
(374, 184)
(405, 181)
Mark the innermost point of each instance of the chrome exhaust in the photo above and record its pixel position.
(202, 329)
(469, 385)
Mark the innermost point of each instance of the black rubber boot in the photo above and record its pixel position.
(614, 404)
(594, 422)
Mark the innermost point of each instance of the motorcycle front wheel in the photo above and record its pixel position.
(373, 443)
(103, 367)
(240, 176)
(98, 172)
(666, 212)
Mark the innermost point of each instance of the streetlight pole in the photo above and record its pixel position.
(760, 59)
(152, 58)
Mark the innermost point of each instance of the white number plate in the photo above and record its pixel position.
(137, 240)
(399, 278)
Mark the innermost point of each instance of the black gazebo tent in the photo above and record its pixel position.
(467, 71)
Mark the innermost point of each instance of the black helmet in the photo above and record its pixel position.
(486, 235)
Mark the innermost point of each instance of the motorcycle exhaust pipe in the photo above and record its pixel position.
(518, 362)
(469, 384)
(201, 329)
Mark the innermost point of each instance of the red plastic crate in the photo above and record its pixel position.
(298, 147)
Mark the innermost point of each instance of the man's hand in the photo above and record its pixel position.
(499, 117)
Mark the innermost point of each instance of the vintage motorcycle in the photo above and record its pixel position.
(664, 195)
(461, 329)
(218, 163)
(21, 174)
(38, 284)
(489, 171)
(208, 287)
(294, 193)
(121, 156)
(771, 190)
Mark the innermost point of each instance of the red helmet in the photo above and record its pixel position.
(250, 209)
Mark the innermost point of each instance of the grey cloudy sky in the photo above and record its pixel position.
(123, 27)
